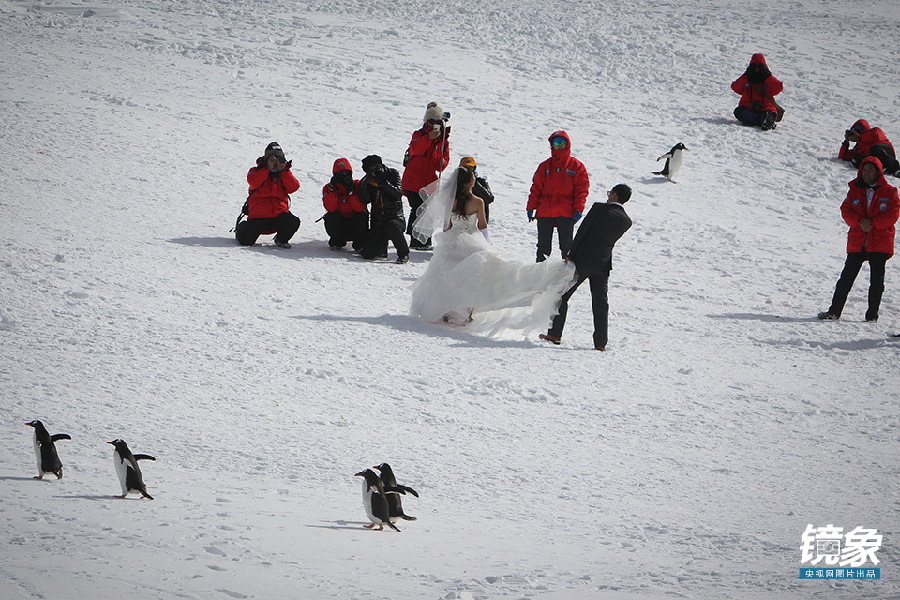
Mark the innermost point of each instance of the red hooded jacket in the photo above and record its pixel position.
(883, 211)
(269, 192)
(560, 185)
(868, 137)
(426, 158)
(757, 96)
(337, 198)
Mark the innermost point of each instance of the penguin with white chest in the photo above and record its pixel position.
(130, 477)
(375, 500)
(389, 481)
(45, 450)
(674, 160)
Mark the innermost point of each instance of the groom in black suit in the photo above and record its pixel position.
(591, 252)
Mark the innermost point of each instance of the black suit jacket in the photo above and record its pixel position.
(592, 247)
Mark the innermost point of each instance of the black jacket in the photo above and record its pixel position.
(592, 247)
(483, 190)
(383, 195)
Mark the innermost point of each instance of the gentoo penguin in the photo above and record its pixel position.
(44, 450)
(374, 500)
(673, 162)
(127, 469)
(389, 481)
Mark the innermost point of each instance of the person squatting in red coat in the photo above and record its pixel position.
(869, 141)
(559, 190)
(871, 209)
(346, 218)
(758, 88)
(428, 154)
(268, 205)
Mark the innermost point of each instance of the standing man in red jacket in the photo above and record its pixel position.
(869, 141)
(559, 191)
(428, 154)
(871, 209)
(268, 207)
(346, 217)
(758, 88)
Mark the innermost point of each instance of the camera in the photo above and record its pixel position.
(446, 116)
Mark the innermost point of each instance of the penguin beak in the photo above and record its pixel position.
(110, 443)
(360, 474)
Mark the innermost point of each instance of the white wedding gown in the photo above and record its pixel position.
(468, 283)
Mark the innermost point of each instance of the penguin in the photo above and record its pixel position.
(127, 469)
(374, 500)
(45, 450)
(389, 481)
(673, 162)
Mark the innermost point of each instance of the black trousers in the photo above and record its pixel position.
(340, 230)
(378, 237)
(883, 153)
(852, 266)
(415, 201)
(599, 306)
(284, 226)
(565, 226)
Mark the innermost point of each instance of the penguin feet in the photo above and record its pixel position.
(38, 477)
(122, 497)
(371, 525)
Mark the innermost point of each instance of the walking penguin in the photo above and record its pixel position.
(673, 162)
(127, 469)
(375, 501)
(45, 450)
(389, 481)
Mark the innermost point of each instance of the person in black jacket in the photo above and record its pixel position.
(481, 187)
(591, 252)
(380, 189)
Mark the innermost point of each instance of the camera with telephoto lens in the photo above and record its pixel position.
(446, 116)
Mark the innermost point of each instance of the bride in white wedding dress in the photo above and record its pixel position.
(467, 282)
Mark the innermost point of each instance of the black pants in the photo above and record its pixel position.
(340, 230)
(883, 153)
(379, 235)
(599, 306)
(284, 226)
(415, 201)
(852, 266)
(753, 118)
(545, 225)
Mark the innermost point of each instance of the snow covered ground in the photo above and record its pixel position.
(684, 462)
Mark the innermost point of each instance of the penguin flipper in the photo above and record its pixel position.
(143, 457)
(409, 489)
(407, 517)
(666, 155)
(396, 490)
(60, 436)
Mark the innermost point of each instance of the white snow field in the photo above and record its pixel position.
(684, 462)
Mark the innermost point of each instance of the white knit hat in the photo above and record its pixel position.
(433, 111)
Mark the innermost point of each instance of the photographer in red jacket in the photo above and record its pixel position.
(268, 206)
(871, 209)
(346, 217)
(758, 88)
(869, 141)
(428, 154)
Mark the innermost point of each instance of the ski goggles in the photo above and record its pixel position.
(559, 142)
